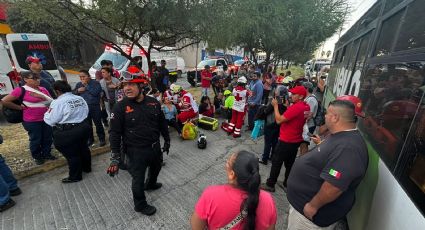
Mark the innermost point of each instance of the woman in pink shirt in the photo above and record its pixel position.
(239, 204)
(36, 102)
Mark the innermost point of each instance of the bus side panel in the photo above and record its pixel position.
(359, 215)
(391, 207)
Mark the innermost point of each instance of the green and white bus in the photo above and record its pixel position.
(381, 59)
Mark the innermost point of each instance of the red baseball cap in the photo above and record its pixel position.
(356, 101)
(300, 90)
(31, 59)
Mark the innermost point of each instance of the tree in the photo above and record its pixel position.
(160, 22)
(286, 30)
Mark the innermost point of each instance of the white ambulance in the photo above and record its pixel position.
(175, 64)
(13, 56)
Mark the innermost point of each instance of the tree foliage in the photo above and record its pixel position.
(286, 29)
(161, 22)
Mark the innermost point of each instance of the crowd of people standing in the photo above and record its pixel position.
(320, 183)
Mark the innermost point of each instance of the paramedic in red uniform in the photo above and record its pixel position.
(238, 108)
(187, 105)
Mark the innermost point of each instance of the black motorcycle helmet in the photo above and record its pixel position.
(202, 141)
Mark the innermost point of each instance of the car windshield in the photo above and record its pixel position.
(117, 59)
(210, 62)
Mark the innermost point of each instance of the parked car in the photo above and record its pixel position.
(215, 64)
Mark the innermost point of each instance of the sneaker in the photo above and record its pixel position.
(102, 143)
(146, 210)
(236, 135)
(10, 203)
(152, 187)
(15, 192)
(50, 157)
(261, 161)
(69, 180)
(265, 187)
(39, 161)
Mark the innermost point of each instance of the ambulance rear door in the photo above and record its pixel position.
(38, 45)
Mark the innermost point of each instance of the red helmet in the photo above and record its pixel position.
(356, 101)
(127, 76)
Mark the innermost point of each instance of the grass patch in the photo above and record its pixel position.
(296, 71)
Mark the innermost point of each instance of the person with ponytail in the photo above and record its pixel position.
(239, 204)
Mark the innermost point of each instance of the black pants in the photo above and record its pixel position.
(95, 116)
(285, 153)
(173, 123)
(71, 141)
(252, 110)
(141, 159)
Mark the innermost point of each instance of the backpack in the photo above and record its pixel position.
(319, 119)
(12, 115)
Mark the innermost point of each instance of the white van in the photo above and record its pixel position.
(14, 53)
(175, 64)
(315, 67)
(6, 71)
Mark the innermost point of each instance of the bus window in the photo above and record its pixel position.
(388, 34)
(336, 57)
(413, 170)
(389, 4)
(412, 33)
(343, 54)
(363, 51)
(390, 98)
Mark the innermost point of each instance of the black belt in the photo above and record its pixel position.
(66, 126)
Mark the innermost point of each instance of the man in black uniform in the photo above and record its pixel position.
(139, 121)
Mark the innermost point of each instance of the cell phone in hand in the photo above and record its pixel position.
(310, 135)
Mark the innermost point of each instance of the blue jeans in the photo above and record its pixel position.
(41, 138)
(204, 91)
(7, 181)
(271, 137)
(95, 116)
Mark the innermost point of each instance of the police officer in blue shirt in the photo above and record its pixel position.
(68, 117)
(91, 91)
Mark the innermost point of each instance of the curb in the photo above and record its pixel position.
(71, 71)
(50, 165)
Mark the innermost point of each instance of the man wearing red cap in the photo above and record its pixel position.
(322, 184)
(47, 80)
(290, 136)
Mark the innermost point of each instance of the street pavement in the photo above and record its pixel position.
(103, 202)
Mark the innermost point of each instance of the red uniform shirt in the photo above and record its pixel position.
(292, 130)
(204, 82)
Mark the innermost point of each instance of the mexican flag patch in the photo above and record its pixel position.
(334, 173)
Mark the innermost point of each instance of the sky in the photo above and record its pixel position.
(359, 8)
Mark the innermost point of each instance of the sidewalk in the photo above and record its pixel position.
(102, 202)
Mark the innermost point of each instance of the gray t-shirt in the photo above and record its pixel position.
(341, 160)
(312, 102)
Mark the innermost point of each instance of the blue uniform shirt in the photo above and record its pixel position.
(92, 93)
(68, 108)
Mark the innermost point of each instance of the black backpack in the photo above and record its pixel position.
(12, 115)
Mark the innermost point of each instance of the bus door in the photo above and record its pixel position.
(23, 45)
